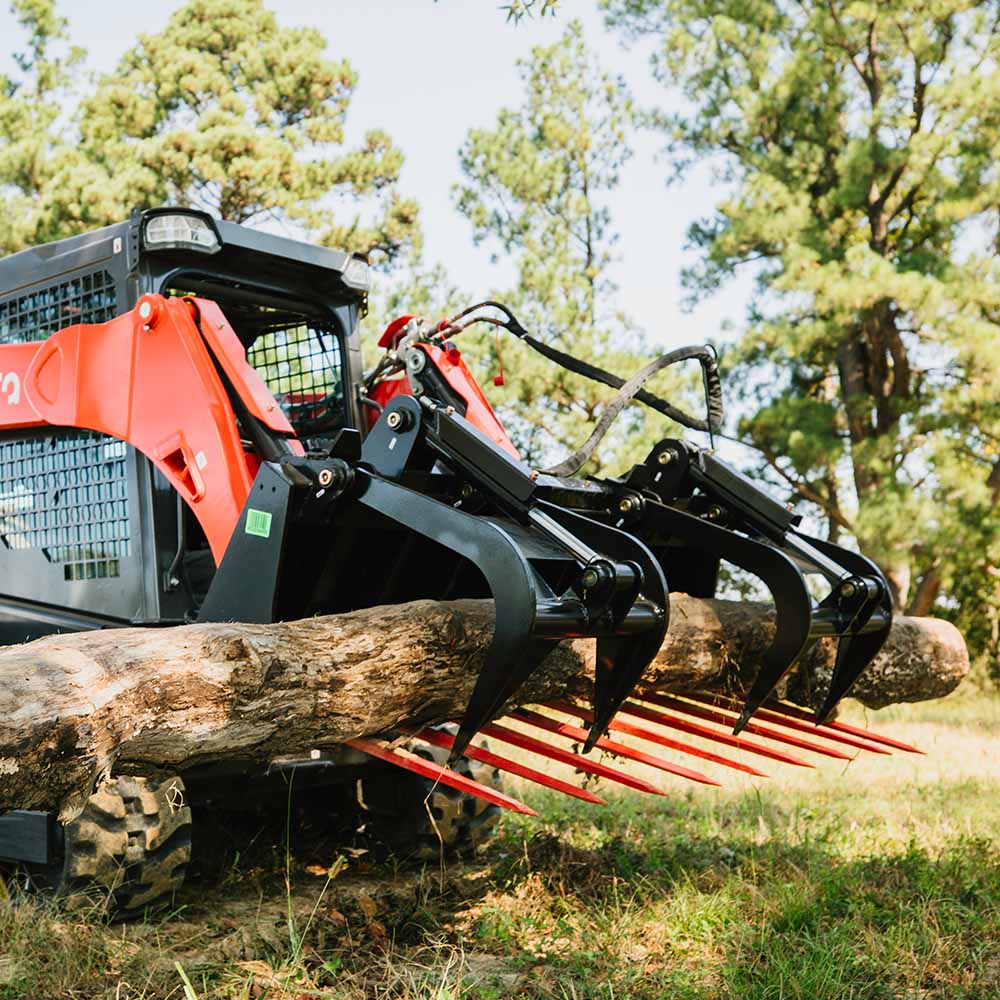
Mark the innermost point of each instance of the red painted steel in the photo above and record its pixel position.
(123, 377)
(594, 767)
(794, 712)
(621, 726)
(428, 769)
(707, 715)
(456, 373)
(694, 729)
(446, 740)
(762, 715)
(611, 746)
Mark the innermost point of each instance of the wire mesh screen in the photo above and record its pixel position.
(65, 494)
(303, 367)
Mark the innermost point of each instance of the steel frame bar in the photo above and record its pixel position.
(428, 769)
(611, 746)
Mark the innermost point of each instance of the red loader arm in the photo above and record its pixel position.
(152, 378)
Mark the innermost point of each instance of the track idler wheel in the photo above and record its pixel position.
(126, 852)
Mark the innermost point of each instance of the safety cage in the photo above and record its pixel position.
(89, 529)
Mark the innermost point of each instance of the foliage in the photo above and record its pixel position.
(856, 143)
(535, 190)
(37, 164)
(517, 9)
(223, 109)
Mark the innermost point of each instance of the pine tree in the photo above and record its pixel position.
(224, 109)
(535, 191)
(856, 143)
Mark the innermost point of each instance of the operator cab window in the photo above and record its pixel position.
(294, 349)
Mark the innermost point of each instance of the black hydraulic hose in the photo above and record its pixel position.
(630, 390)
(703, 355)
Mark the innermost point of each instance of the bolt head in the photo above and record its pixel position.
(665, 457)
(625, 504)
(467, 491)
(394, 419)
(450, 410)
(590, 578)
(847, 589)
(714, 512)
(325, 477)
(145, 310)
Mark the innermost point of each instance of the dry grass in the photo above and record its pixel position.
(876, 880)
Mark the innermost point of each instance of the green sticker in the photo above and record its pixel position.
(258, 523)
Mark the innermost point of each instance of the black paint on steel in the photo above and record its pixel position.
(27, 836)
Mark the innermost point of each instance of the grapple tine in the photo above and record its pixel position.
(861, 642)
(794, 712)
(428, 769)
(694, 729)
(621, 659)
(446, 740)
(763, 715)
(707, 715)
(594, 767)
(612, 746)
(621, 726)
(781, 576)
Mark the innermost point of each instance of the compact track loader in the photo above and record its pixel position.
(188, 435)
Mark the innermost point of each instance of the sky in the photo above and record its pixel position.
(429, 71)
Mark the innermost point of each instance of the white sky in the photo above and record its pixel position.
(430, 71)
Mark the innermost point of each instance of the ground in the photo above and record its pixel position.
(878, 879)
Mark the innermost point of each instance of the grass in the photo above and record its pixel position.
(872, 881)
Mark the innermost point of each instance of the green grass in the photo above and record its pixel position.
(879, 879)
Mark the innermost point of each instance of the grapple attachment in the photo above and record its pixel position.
(553, 574)
(567, 557)
(695, 510)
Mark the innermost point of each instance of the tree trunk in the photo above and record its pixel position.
(72, 707)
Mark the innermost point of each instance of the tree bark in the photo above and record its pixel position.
(74, 707)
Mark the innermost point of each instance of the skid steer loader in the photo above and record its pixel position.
(187, 434)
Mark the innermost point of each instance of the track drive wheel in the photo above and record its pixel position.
(418, 819)
(126, 852)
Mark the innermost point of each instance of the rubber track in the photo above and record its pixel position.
(129, 848)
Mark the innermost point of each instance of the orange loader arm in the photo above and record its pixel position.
(156, 378)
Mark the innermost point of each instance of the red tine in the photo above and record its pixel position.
(576, 733)
(767, 732)
(794, 712)
(621, 726)
(762, 715)
(411, 762)
(532, 745)
(727, 739)
(446, 740)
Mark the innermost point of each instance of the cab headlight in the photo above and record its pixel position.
(180, 231)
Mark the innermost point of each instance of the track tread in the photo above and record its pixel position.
(129, 848)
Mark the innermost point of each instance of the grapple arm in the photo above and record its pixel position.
(688, 498)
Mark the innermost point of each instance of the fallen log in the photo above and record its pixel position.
(74, 707)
